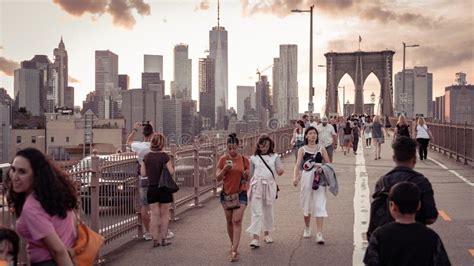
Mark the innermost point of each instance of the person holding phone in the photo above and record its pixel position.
(233, 170)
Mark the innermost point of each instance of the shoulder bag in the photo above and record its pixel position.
(167, 182)
(232, 201)
(268, 167)
(87, 245)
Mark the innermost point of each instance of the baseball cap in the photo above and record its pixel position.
(324, 119)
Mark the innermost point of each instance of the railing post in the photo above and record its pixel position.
(95, 191)
(173, 149)
(465, 146)
(214, 168)
(457, 142)
(196, 174)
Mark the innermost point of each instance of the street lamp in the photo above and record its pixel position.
(403, 73)
(311, 89)
(372, 97)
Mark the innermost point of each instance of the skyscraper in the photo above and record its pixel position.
(418, 96)
(153, 64)
(124, 82)
(288, 103)
(26, 87)
(61, 67)
(142, 105)
(262, 95)
(207, 91)
(172, 119)
(218, 51)
(244, 93)
(106, 73)
(181, 86)
(276, 88)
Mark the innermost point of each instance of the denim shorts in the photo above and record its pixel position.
(143, 196)
(242, 197)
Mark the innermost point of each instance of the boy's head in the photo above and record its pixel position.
(404, 199)
(9, 245)
(404, 151)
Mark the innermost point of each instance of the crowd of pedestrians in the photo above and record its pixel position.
(43, 197)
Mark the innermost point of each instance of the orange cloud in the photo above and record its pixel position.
(7, 66)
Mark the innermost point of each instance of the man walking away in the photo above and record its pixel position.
(404, 156)
(405, 242)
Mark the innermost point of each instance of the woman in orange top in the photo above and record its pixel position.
(233, 169)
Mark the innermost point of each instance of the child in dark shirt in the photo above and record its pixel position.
(405, 242)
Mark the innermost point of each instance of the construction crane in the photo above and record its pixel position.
(259, 72)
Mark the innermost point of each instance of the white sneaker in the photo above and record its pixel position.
(319, 238)
(147, 236)
(307, 233)
(169, 234)
(268, 239)
(254, 244)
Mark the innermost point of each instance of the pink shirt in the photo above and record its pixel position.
(35, 223)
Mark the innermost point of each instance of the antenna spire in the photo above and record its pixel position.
(218, 14)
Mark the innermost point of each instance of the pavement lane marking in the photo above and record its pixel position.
(453, 172)
(471, 251)
(361, 208)
(445, 216)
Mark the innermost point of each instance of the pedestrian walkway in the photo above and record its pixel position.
(201, 237)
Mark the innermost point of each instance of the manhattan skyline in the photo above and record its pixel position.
(443, 29)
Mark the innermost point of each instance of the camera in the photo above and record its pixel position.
(145, 123)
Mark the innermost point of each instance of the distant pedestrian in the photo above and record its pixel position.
(233, 169)
(378, 134)
(327, 137)
(44, 198)
(308, 170)
(405, 241)
(9, 247)
(305, 119)
(348, 138)
(388, 125)
(356, 135)
(368, 133)
(160, 199)
(402, 128)
(404, 155)
(265, 165)
(297, 141)
(423, 136)
(340, 132)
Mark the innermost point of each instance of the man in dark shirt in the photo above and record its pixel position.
(405, 242)
(404, 150)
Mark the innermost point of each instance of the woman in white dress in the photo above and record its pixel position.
(313, 200)
(264, 166)
(368, 133)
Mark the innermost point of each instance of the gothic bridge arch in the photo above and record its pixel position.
(359, 65)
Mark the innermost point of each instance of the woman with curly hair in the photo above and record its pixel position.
(43, 198)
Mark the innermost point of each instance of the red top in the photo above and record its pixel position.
(233, 176)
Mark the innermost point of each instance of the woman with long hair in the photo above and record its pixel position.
(368, 132)
(233, 169)
(378, 133)
(154, 163)
(265, 165)
(43, 198)
(313, 202)
(402, 128)
(423, 136)
(297, 141)
(348, 137)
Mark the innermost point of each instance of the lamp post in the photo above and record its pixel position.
(403, 73)
(311, 89)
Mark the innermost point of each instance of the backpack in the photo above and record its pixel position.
(379, 207)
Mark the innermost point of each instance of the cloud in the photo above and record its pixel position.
(73, 80)
(364, 9)
(120, 10)
(437, 57)
(203, 5)
(7, 66)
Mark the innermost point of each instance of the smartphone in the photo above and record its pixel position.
(145, 123)
(229, 162)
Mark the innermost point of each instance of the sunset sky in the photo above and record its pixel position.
(444, 29)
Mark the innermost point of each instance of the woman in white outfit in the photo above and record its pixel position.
(264, 166)
(313, 201)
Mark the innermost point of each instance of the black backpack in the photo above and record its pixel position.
(379, 207)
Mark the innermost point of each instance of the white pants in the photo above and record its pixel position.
(261, 216)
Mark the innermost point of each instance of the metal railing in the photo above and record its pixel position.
(108, 185)
(453, 140)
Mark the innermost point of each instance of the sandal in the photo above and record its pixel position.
(165, 242)
(233, 256)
